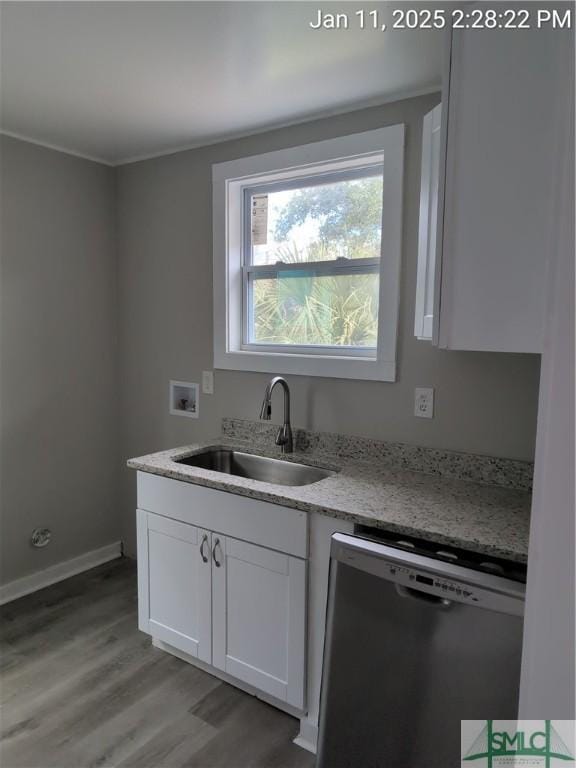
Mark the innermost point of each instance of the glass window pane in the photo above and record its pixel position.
(339, 310)
(318, 223)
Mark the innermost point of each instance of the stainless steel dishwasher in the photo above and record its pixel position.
(416, 640)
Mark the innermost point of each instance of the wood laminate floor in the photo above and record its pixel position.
(80, 686)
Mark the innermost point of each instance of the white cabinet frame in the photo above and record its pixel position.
(427, 226)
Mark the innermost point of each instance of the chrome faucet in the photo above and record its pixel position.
(284, 436)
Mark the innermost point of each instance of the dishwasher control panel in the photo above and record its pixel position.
(429, 579)
(431, 583)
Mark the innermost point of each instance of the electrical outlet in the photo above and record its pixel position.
(208, 382)
(424, 402)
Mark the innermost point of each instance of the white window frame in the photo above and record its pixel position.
(329, 268)
(230, 180)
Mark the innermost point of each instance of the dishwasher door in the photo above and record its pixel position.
(413, 646)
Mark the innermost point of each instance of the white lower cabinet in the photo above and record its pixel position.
(259, 611)
(174, 584)
(240, 585)
(237, 606)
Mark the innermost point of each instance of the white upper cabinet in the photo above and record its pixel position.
(498, 194)
(427, 229)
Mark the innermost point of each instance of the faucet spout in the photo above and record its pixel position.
(284, 436)
(266, 410)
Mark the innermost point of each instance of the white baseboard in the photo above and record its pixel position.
(308, 736)
(28, 584)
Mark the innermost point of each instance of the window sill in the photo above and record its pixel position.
(337, 367)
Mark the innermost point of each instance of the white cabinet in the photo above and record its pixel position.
(259, 618)
(498, 209)
(174, 584)
(235, 605)
(238, 586)
(427, 226)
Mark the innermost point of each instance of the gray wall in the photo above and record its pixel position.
(59, 453)
(485, 403)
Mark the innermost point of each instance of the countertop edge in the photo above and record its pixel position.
(228, 486)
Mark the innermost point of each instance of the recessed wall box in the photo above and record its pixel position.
(184, 399)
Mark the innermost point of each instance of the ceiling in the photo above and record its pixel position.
(117, 81)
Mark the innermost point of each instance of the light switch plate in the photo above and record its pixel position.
(424, 402)
(208, 382)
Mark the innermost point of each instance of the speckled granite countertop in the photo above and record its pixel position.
(385, 492)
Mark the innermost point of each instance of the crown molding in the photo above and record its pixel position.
(55, 147)
(309, 118)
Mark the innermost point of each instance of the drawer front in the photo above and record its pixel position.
(269, 525)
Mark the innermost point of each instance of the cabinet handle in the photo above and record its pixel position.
(204, 541)
(216, 544)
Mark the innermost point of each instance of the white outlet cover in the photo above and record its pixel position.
(208, 382)
(424, 402)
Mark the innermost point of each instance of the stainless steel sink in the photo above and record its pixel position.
(260, 468)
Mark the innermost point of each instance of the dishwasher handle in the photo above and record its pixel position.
(423, 597)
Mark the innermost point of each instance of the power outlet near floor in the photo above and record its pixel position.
(424, 402)
(40, 537)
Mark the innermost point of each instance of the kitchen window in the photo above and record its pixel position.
(306, 258)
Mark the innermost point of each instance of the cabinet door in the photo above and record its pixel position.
(259, 617)
(425, 280)
(499, 209)
(174, 583)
